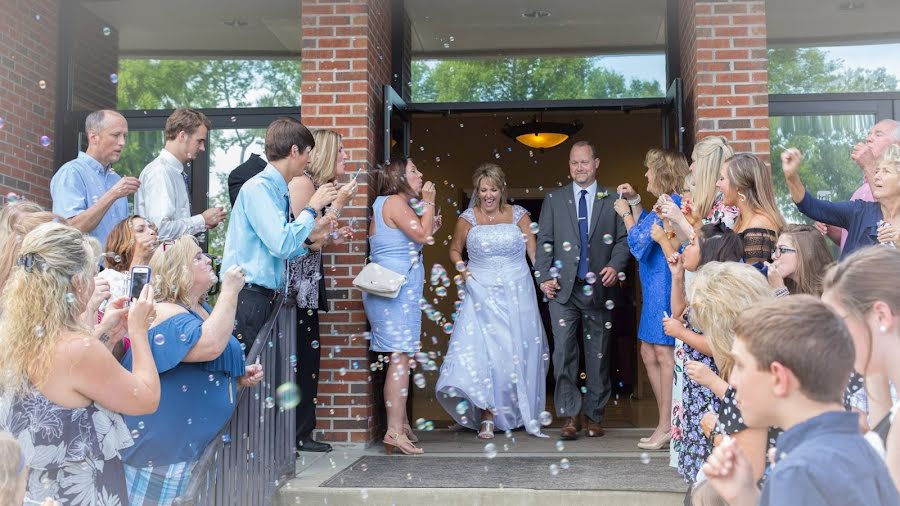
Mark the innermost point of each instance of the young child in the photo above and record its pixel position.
(13, 472)
(792, 358)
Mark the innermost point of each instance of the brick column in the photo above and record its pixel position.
(725, 71)
(28, 45)
(345, 63)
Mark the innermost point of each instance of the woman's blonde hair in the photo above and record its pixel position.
(173, 276)
(11, 212)
(19, 228)
(668, 169)
(323, 158)
(495, 174)
(718, 294)
(44, 297)
(12, 465)
(708, 155)
(753, 181)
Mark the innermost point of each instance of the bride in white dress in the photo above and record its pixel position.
(494, 373)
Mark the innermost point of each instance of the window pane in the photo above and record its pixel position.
(834, 69)
(205, 83)
(228, 149)
(826, 143)
(538, 78)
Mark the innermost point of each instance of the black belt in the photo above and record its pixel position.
(268, 292)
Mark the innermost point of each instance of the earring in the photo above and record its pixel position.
(882, 329)
(742, 196)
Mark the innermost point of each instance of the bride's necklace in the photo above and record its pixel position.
(489, 217)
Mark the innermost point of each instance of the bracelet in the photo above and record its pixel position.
(312, 212)
(307, 242)
(636, 201)
(782, 292)
(426, 203)
(626, 213)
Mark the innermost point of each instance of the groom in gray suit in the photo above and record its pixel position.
(587, 250)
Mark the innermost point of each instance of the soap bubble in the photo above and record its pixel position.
(490, 450)
(645, 458)
(590, 278)
(610, 305)
(107, 31)
(45, 141)
(419, 380)
(42, 84)
(567, 246)
(554, 469)
(564, 464)
(461, 407)
(545, 418)
(159, 339)
(270, 402)
(288, 395)
(588, 290)
(114, 78)
(315, 345)
(560, 446)
(621, 276)
(607, 239)
(534, 227)
(533, 426)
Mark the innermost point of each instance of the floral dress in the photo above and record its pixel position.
(73, 453)
(688, 441)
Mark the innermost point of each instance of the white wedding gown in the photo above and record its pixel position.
(497, 357)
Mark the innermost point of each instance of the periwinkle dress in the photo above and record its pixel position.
(656, 279)
(497, 357)
(396, 323)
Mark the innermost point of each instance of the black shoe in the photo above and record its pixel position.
(309, 445)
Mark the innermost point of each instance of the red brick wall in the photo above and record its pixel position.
(345, 63)
(28, 45)
(725, 72)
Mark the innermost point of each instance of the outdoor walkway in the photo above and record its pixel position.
(518, 470)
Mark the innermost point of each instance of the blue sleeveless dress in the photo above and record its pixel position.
(396, 323)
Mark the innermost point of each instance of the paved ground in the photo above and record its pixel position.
(457, 470)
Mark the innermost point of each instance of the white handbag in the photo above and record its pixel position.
(378, 280)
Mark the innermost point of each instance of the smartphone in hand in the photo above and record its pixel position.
(140, 276)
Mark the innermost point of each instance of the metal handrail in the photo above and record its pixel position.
(254, 452)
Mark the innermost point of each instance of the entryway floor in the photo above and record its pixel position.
(457, 469)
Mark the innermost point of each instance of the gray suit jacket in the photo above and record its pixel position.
(559, 223)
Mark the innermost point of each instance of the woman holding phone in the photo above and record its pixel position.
(200, 365)
(59, 376)
(326, 163)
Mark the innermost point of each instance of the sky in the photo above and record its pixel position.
(869, 57)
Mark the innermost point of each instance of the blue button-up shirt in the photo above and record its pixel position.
(260, 238)
(826, 461)
(78, 184)
(858, 217)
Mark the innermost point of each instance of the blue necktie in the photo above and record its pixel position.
(287, 262)
(583, 236)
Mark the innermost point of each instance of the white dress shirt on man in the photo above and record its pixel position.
(163, 199)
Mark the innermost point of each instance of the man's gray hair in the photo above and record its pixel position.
(895, 130)
(96, 120)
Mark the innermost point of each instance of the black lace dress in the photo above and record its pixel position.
(759, 243)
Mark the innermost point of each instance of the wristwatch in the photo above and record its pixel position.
(307, 242)
(626, 213)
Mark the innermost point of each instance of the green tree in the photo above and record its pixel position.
(811, 70)
(517, 79)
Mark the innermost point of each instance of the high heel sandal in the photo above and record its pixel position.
(407, 431)
(659, 445)
(487, 430)
(401, 442)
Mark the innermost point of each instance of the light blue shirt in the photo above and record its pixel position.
(589, 198)
(260, 238)
(78, 184)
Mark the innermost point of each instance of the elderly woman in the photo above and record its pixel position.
(866, 223)
(397, 233)
(665, 172)
(62, 390)
(131, 242)
(863, 290)
(326, 163)
(200, 366)
(746, 183)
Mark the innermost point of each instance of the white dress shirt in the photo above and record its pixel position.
(163, 199)
(589, 197)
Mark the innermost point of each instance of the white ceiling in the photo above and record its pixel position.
(198, 27)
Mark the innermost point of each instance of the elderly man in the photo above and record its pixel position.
(164, 196)
(866, 155)
(86, 191)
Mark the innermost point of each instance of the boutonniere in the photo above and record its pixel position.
(602, 195)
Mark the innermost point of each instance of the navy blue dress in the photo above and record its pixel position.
(656, 280)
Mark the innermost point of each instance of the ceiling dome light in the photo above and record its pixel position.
(542, 134)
